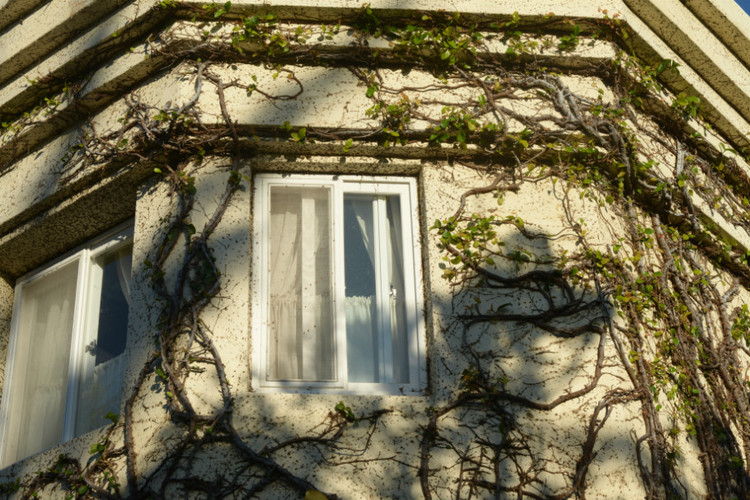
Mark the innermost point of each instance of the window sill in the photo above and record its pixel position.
(351, 390)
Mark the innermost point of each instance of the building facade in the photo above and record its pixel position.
(333, 250)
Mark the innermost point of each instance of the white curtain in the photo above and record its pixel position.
(100, 395)
(40, 370)
(362, 332)
(300, 317)
(362, 344)
(100, 385)
(398, 293)
(125, 270)
(367, 362)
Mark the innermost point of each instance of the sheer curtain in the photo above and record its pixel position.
(125, 271)
(100, 395)
(40, 370)
(103, 364)
(377, 347)
(362, 329)
(301, 340)
(399, 341)
(301, 337)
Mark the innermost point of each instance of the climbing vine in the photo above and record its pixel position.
(663, 298)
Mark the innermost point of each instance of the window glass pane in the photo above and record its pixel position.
(301, 337)
(400, 337)
(113, 308)
(377, 344)
(40, 367)
(333, 257)
(103, 364)
(362, 343)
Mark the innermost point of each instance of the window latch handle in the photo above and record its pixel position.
(91, 348)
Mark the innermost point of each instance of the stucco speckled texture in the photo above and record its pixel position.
(6, 305)
(50, 204)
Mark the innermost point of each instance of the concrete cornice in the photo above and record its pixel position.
(110, 52)
(47, 28)
(728, 22)
(16, 10)
(710, 58)
(707, 37)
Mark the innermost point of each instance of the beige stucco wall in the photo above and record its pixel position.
(6, 306)
(536, 365)
(45, 198)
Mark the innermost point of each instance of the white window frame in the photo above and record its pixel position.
(84, 329)
(405, 187)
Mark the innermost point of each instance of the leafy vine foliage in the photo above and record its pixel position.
(663, 300)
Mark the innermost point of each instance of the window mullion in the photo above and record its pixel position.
(412, 281)
(339, 300)
(383, 288)
(79, 320)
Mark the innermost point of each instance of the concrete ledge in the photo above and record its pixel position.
(728, 22)
(727, 77)
(47, 29)
(15, 10)
(78, 217)
(699, 49)
(104, 87)
(133, 68)
(71, 62)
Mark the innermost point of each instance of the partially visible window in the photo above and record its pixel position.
(338, 284)
(66, 357)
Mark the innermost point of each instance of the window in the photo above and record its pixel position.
(66, 355)
(337, 285)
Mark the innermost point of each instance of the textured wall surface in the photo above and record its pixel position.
(588, 338)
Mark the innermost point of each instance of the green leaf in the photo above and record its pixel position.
(299, 135)
(83, 489)
(114, 417)
(315, 495)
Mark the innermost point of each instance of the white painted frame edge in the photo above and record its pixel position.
(121, 235)
(259, 261)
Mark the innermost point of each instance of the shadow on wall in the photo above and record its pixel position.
(518, 402)
(525, 346)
